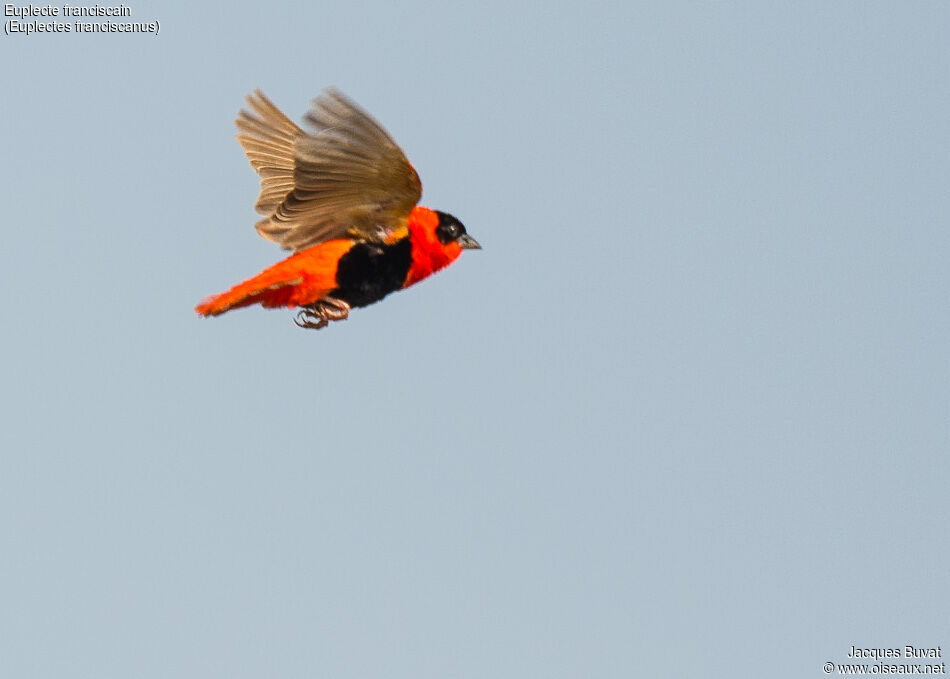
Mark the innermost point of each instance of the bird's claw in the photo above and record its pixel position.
(303, 320)
(319, 314)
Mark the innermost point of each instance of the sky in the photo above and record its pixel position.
(686, 413)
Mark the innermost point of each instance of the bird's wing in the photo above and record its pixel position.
(346, 178)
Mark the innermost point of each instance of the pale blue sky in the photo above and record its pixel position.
(686, 414)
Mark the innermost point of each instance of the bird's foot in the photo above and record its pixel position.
(319, 314)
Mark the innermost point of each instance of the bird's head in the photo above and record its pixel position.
(438, 239)
(450, 230)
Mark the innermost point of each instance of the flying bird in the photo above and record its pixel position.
(343, 197)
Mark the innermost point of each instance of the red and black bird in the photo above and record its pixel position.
(343, 197)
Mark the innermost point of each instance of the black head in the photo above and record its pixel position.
(450, 229)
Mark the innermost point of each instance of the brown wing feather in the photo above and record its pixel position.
(346, 178)
(268, 138)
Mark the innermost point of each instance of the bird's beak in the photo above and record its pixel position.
(468, 243)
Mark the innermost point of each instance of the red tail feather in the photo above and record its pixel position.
(301, 279)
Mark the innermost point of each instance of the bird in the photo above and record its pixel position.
(343, 197)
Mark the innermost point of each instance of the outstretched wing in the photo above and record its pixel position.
(346, 178)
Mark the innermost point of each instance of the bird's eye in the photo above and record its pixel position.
(449, 228)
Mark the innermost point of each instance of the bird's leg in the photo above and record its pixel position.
(336, 309)
(319, 314)
(303, 320)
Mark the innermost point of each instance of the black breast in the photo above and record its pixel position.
(370, 271)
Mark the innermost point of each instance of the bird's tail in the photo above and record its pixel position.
(301, 279)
